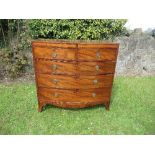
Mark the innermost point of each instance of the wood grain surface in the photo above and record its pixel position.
(74, 68)
(55, 53)
(74, 74)
(74, 82)
(97, 54)
(76, 96)
(56, 67)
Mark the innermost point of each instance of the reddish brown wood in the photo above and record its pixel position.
(54, 44)
(97, 81)
(79, 97)
(57, 81)
(93, 68)
(70, 68)
(97, 54)
(73, 82)
(55, 67)
(36, 79)
(55, 53)
(74, 74)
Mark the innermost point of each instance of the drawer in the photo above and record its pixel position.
(57, 95)
(86, 54)
(93, 68)
(57, 81)
(55, 53)
(94, 95)
(55, 67)
(86, 96)
(71, 82)
(98, 81)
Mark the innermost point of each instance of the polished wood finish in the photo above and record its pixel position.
(74, 74)
(70, 68)
(97, 54)
(55, 67)
(74, 82)
(55, 53)
(77, 96)
(95, 68)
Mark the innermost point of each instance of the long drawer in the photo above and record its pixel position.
(74, 82)
(74, 68)
(90, 95)
(80, 54)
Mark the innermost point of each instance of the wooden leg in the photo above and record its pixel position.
(40, 106)
(107, 105)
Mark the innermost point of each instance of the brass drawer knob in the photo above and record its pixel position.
(56, 95)
(54, 55)
(95, 81)
(97, 67)
(54, 67)
(93, 94)
(55, 81)
(61, 102)
(98, 56)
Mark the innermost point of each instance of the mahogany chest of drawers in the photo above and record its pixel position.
(74, 74)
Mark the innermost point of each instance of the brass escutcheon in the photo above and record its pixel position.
(56, 95)
(93, 94)
(54, 67)
(95, 81)
(55, 81)
(61, 102)
(98, 56)
(54, 55)
(97, 67)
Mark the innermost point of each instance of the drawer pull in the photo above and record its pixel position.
(56, 95)
(98, 56)
(54, 67)
(61, 102)
(54, 55)
(97, 67)
(55, 81)
(95, 81)
(93, 94)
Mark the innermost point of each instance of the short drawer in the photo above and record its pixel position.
(57, 95)
(86, 54)
(99, 81)
(94, 95)
(57, 81)
(55, 53)
(55, 67)
(93, 68)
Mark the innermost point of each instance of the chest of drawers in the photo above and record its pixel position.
(74, 74)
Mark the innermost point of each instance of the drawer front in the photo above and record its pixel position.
(98, 81)
(81, 96)
(70, 82)
(87, 54)
(94, 95)
(93, 68)
(57, 95)
(57, 81)
(55, 53)
(55, 67)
